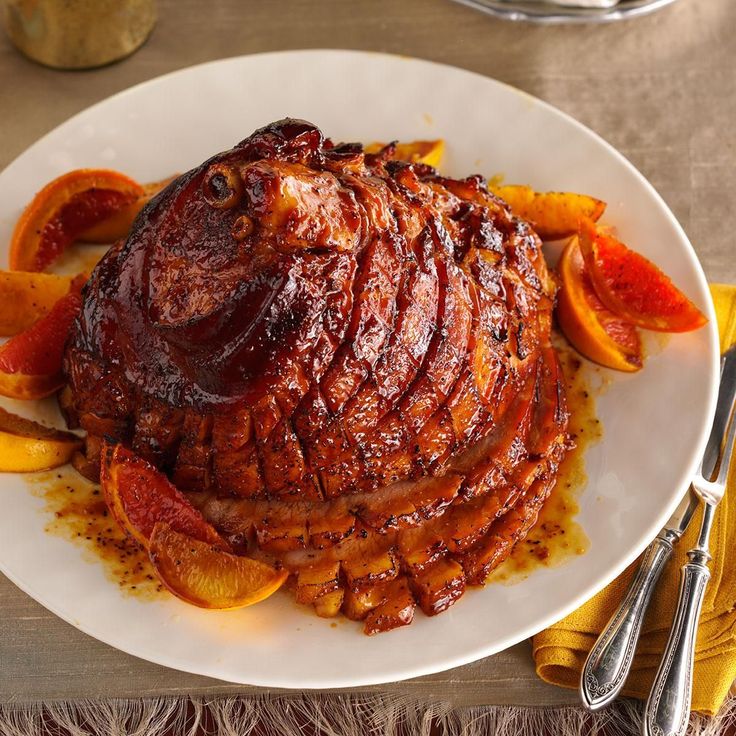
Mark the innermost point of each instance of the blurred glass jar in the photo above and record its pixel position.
(78, 34)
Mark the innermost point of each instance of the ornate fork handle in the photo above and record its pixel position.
(668, 707)
(610, 659)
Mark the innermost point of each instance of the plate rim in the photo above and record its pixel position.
(447, 662)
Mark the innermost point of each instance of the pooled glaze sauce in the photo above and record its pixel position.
(557, 537)
(76, 511)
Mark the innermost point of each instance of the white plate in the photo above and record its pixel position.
(655, 422)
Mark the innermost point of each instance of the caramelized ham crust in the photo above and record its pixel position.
(344, 359)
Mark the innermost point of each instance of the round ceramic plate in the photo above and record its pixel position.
(655, 422)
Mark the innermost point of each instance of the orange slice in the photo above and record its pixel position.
(27, 446)
(30, 363)
(26, 297)
(207, 577)
(631, 286)
(592, 329)
(118, 224)
(416, 152)
(553, 215)
(138, 496)
(64, 209)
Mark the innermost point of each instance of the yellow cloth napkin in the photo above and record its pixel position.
(560, 651)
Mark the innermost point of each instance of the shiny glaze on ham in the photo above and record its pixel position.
(343, 358)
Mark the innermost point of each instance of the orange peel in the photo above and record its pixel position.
(26, 446)
(208, 577)
(30, 362)
(415, 152)
(554, 215)
(592, 329)
(119, 223)
(634, 288)
(139, 496)
(65, 208)
(25, 297)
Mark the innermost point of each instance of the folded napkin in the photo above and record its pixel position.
(560, 651)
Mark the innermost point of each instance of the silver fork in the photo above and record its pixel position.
(668, 707)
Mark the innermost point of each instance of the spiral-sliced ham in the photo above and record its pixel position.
(343, 359)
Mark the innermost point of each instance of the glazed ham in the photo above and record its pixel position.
(343, 359)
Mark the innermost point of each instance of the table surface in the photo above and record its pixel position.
(661, 89)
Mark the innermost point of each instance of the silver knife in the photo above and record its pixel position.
(609, 661)
(668, 708)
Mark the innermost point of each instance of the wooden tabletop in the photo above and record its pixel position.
(661, 89)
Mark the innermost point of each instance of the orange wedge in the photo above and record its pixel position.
(553, 215)
(207, 577)
(416, 152)
(25, 297)
(139, 496)
(118, 224)
(65, 208)
(631, 286)
(30, 362)
(592, 329)
(27, 446)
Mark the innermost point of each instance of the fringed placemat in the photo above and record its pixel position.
(327, 715)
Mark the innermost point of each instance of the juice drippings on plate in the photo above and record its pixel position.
(557, 536)
(77, 512)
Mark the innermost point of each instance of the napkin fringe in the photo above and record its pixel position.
(326, 715)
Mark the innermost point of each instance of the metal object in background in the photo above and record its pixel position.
(565, 11)
(78, 34)
(573, 3)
